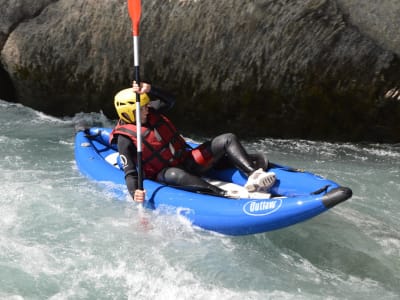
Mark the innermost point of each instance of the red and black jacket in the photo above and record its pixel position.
(163, 146)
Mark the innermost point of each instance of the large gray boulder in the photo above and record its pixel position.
(68, 57)
(320, 69)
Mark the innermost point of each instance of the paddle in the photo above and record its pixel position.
(135, 9)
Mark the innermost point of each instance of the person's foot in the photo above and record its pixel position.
(260, 179)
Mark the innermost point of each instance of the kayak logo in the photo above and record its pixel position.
(262, 208)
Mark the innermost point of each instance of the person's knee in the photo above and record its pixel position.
(229, 137)
(170, 175)
(223, 140)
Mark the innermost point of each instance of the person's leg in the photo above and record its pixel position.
(259, 160)
(181, 179)
(228, 145)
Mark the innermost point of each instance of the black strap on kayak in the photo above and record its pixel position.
(321, 190)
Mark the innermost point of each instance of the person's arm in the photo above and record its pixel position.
(127, 151)
(161, 100)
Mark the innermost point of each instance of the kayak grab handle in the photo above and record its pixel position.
(321, 190)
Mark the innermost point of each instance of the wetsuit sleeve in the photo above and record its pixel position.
(161, 100)
(127, 151)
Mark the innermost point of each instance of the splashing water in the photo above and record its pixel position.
(65, 237)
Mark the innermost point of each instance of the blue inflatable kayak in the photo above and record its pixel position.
(295, 197)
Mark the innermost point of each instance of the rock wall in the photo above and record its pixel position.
(68, 58)
(292, 68)
(378, 20)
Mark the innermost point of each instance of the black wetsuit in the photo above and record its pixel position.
(225, 149)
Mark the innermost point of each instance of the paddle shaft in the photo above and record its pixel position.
(134, 8)
(138, 117)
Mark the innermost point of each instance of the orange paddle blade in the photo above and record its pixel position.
(135, 10)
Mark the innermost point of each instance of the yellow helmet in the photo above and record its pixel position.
(125, 104)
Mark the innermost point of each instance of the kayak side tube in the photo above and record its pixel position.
(336, 196)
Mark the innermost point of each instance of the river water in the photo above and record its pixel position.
(65, 237)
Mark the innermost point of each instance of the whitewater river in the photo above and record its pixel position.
(64, 237)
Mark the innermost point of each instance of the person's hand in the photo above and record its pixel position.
(139, 196)
(143, 88)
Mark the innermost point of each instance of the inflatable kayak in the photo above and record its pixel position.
(295, 197)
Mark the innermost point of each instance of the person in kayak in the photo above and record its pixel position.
(166, 157)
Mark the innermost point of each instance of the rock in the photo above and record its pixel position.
(282, 69)
(377, 19)
(66, 59)
(16, 11)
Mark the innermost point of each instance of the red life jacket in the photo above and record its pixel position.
(163, 146)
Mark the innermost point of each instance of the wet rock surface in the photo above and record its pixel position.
(316, 69)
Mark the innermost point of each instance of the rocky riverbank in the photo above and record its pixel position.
(316, 69)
